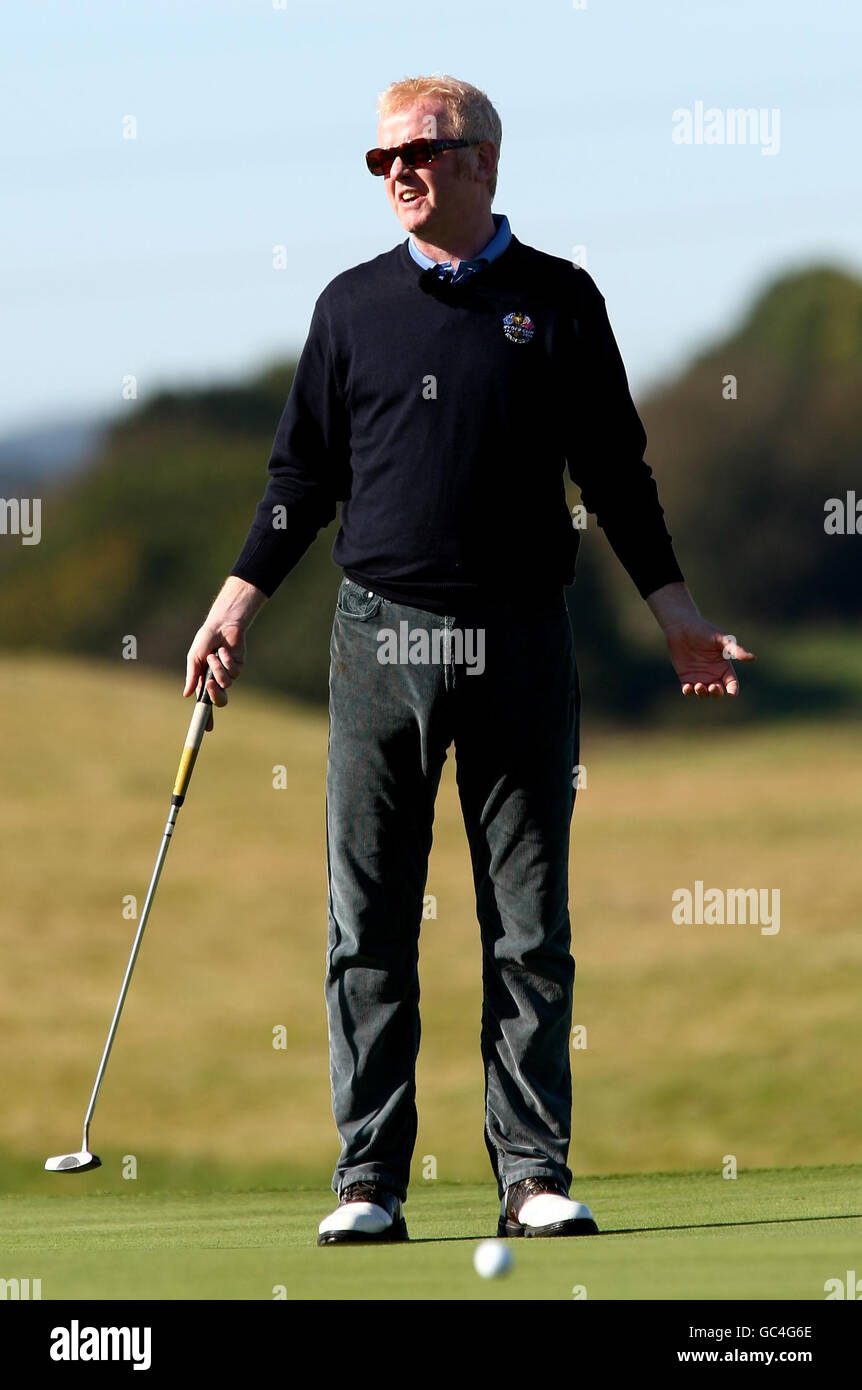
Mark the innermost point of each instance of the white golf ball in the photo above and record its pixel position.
(492, 1258)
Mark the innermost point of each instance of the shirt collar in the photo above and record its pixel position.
(496, 246)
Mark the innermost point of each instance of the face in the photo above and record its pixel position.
(435, 200)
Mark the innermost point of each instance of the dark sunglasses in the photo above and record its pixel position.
(415, 154)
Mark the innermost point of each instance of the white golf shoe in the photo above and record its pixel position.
(542, 1207)
(366, 1214)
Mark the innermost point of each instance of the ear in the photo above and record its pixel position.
(487, 155)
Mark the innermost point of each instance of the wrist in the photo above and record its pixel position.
(672, 606)
(237, 603)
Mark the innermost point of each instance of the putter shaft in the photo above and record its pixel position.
(194, 739)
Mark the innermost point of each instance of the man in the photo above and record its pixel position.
(444, 387)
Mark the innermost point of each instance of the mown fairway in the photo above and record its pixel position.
(702, 1041)
(766, 1235)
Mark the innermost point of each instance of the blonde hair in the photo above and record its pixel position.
(469, 111)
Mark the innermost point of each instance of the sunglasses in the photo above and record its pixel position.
(415, 154)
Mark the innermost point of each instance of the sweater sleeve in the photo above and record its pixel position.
(605, 452)
(309, 467)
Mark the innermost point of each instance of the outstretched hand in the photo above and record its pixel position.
(701, 655)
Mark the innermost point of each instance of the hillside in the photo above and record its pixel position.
(139, 542)
(745, 481)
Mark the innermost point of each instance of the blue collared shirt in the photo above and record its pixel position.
(496, 246)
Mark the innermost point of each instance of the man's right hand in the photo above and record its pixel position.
(219, 644)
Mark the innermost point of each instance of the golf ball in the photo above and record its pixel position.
(492, 1258)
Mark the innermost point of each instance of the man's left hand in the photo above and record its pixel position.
(700, 652)
(702, 655)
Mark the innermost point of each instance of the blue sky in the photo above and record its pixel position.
(153, 256)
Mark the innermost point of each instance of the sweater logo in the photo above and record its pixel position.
(518, 327)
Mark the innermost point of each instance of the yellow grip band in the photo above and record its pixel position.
(194, 738)
(184, 772)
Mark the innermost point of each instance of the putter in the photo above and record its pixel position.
(84, 1159)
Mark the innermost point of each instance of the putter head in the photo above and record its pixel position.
(73, 1163)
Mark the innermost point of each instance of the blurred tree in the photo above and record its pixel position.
(138, 542)
(745, 481)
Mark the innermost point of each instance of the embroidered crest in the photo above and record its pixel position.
(518, 327)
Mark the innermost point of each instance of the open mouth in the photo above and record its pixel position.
(409, 197)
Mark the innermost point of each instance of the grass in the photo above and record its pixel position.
(768, 1234)
(701, 1041)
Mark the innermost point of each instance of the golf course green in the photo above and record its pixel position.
(768, 1234)
(699, 1049)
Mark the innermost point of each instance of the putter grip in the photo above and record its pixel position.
(204, 696)
(194, 739)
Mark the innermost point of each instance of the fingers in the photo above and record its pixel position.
(215, 689)
(226, 664)
(713, 691)
(194, 667)
(223, 663)
(730, 648)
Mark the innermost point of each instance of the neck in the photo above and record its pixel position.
(462, 244)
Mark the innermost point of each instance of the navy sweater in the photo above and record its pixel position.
(442, 417)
